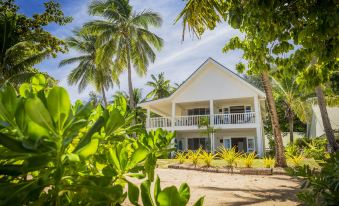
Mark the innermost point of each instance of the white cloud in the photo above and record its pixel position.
(177, 59)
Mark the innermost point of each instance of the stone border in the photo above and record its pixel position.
(243, 171)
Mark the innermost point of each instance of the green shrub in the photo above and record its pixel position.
(56, 153)
(269, 162)
(181, 157)
(194, 156)
(207, 157)
(319, 188)
(296, 160)
(316, 148)
(248, 159)
(292, 150)
(231, 156)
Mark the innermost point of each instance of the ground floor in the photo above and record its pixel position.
(244, 140)
(228, 189)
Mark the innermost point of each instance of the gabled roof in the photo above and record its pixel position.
(209, 60)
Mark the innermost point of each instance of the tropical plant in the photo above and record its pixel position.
(316, 148)
(296, 160)
(204, 122)
(25, 42)
(319, 188)
(169, 196)
(181, 157)
(194, 156)
(55, 153)
(231, 156)
(293, 99)
(160, 87)
(207, 157)
(292, 149)
(269, 162)
(89, 71)
(125, 35)
(248, 159)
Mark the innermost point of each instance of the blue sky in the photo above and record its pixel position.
(177, 59)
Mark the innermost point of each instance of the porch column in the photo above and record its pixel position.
(211, 112)
(258, 123)
(148, 117)
(173, 116)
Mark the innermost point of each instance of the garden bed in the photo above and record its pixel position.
(245, 171)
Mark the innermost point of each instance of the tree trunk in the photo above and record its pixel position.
(290, 122)
(326, 120)
(130, 86)
(279, 147)
(104, 95)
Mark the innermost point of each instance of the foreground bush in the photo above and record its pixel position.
(207, 157)
(319, 188)
(55, 153)
(231, 156)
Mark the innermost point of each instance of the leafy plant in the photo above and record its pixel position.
(269, 162)
(248, 159)
(207, 157)
(181, 156)
(296, 160)
(169, 196)
(231, 156)
(319, 188)
(194, 156)
(291, 150)
(56, 153)
(316, 148)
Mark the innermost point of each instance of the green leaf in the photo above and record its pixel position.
(71, 157)
(13, 144)
(139, 155)
(24, 90)
(145, 193)
(199, 202)
(8, 103)
(115, 120)
(59, 105)
(38, 113)
(169, 197)
(36, 162)
(133, 193)
(88, 149)
(184, 193)
(157, 189)
(87, 139)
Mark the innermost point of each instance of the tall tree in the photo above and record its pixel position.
(125, 35)
(88, 70)
(199, 15)
(24, 41)
(160, 87)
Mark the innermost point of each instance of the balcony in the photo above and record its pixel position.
(234, 120)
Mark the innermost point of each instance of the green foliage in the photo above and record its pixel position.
(194, 156)
(292, 150)
(207, 157)
(319, 188)
(169, 196)
(56, 153)
(181, 157)
(160, 87)
(248, 159)
(231, 156)
(296, 160)
(269, 162)
(316, 148)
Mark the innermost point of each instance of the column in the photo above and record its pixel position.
(173, 116)
(211, 113)
(258, 123)
(148, 118)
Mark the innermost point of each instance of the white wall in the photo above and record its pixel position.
(317, 128)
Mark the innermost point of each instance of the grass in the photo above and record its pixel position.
(257, 163)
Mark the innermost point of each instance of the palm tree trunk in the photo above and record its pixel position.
(130, 86)
(290, 122)
(279, 147)
(104, 95)
(326, 120)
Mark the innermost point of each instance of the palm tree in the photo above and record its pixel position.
(89, 71)
(294, 100)
(125, 35)
(161, 87)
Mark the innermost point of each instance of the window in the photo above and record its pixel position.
(250, 145)
(248, 109)
(195, 143)
(227, 143)
(198, 111)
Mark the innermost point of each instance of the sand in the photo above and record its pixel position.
(228, 189)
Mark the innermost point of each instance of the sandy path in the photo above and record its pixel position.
(227, 189)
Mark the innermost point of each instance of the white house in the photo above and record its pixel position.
(232, 105)
(316, 128)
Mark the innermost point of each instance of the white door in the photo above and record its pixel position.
(250, 144)
(227, 143)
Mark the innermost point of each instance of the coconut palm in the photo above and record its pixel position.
(294, 100)
(125, 36)
(160, 87)
(88, 71)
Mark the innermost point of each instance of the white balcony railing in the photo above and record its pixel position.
(160, 122)
(194, 120)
